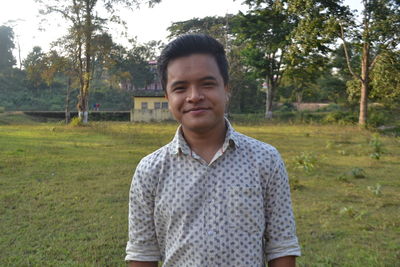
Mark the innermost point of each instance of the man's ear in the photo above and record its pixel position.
(227, 92)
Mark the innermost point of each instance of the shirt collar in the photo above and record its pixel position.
(179, 144)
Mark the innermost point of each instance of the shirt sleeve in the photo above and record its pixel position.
(142, 244)
(280, 232)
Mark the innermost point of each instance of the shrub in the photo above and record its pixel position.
(76, 122)
(306, 161)
(358, 173)
(376, 145)
(376, 190)
(285, 107)
(340, 117)
(331, 107)
(377, 118)
(2, 109)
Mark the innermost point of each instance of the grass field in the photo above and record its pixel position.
(64, 191)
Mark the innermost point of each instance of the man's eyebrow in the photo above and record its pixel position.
(208, 78)
(178, 83)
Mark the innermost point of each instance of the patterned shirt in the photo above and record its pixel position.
(234, 211)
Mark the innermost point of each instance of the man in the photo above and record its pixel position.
(211, 197)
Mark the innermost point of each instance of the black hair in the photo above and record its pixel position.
(188, 44)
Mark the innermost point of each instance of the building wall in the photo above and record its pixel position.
(150, 115)
(151, 102)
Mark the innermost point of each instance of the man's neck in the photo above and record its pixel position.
(206, 144)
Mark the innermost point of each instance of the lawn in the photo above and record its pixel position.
(64, 191)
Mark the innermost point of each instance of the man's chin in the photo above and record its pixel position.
(199, 126)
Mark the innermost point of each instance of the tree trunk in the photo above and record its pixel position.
(268, 100)
(362, 119)
(83, 102)
(67, 112)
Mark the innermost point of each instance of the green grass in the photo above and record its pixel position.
(64, 191)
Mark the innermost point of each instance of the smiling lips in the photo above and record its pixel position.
(196, 110)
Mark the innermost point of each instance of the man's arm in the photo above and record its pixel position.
(142, 245)
(143, 264)
(288, 261)
(280, 232)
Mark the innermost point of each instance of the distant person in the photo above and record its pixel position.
(212, 196)
(94, 106)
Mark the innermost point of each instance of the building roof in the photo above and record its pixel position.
(148, 93)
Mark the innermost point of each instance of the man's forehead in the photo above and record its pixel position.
(192, 64)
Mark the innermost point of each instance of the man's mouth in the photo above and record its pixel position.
(196, 109)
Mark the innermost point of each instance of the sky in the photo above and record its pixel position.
(145, 23)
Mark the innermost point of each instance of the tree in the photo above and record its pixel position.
(35, 66)
(277, 31)
(7, 60)
(377, 34)
(131, 67)
(386, 79)
(84, 24)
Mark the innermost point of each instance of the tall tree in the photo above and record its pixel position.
(131, 66)
(7, 60)
(386, 79)
(35, 66)
(278, 31)
(84, 24)
(376, 34)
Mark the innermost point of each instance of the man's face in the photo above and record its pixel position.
(196, 92)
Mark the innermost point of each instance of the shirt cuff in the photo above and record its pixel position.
(142, 253)
(284, 248)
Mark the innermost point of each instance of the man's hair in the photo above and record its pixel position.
(188, 44)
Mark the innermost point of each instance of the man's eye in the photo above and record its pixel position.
(179, 88)
(208, 84)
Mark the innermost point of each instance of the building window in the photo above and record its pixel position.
(144, 105)
(157, 105)
(164, 105)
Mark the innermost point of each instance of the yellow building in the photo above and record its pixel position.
(150, 102)
(150, 108)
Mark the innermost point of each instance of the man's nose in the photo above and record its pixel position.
(195, 94)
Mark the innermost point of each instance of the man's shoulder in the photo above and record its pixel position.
(155, 159)
(255, 145)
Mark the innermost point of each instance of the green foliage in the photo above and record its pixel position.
(306, 161)
(386, 79)
(376, 190)
(76, 122)
(358, 173)
(340, 117)
(377, 147)
(352, 212)
(7, 59)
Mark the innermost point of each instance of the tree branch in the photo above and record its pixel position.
(347, 54)
(373, 62)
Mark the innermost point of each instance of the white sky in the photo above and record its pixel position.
(146, 23)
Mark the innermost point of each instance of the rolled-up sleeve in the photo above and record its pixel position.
(280, 232)
(142, 244)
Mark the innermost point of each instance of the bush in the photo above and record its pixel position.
(378, 117)
(76, 122)
(2, 109)
(306, 161)
(331, 107)
(285, 107)
(340, 117)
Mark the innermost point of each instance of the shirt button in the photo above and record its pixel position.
(210, 232)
